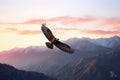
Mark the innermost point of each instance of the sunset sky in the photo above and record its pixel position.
(20, 20)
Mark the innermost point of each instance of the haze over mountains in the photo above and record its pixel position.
(90, 59)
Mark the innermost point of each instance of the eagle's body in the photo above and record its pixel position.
(47, 32)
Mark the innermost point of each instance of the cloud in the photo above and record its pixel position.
(23, 32)
(73, 21)
(29, 32)
(114, 22)
(65, 20)
(102, 32)
(70, 20)
(34, 21)
(89, 24)
(12, 29)
(76, 20)
(66, 28)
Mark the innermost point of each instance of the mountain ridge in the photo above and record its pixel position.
(71, 40)
(8, 72)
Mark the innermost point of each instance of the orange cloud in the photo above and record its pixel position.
(23, 32)
(29, 32)
(12, 29)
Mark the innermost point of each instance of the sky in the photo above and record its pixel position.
(20, 20)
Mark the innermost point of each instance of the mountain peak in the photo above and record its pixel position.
(116, 37)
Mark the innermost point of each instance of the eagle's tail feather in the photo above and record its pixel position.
(49, 45)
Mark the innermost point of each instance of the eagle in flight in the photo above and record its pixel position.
(54, 41)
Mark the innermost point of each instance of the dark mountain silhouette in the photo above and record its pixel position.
(8, 72)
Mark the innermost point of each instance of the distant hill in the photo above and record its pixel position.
(8, 72)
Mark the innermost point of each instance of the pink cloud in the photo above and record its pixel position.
(34, 21)
(77, 20)
(111, 22)
(102, 32)
(62, 20)
(65, 20)
(66, 28)
(99, 26)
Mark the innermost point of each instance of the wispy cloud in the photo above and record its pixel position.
(62, 19)
(12, 29)
(102, 32)
(74, 21)
(35, 21)
(114, 24)
(66, 28)
(29, 32)
(89, 24)
(68, 20)
(23, 32)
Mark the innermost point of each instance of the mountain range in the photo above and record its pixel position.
(93, 59)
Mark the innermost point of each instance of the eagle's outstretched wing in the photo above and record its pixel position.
(47, 32)
(64, 47)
